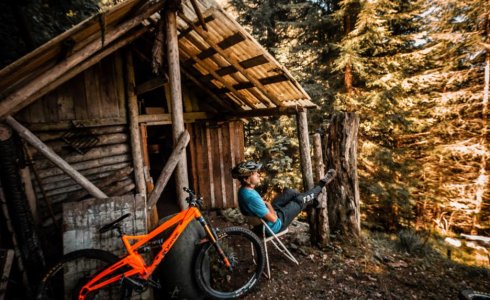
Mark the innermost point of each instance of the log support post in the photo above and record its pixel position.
(304, 149)
(134, 127)
(181, 177)
(321, 234)
(343, 191)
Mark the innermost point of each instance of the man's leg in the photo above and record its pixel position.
(309, 197)
(287, 213)
(284, 198)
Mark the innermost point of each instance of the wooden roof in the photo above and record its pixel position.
(225, 58)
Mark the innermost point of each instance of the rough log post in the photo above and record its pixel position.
(53, 157)
(181, 178)
(321, 236)
(304, 149)
(134, 127)
(168, 168)
(343, 192)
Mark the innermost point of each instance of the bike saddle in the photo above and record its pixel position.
(114, 224)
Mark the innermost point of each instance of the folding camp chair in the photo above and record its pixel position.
(274, 238)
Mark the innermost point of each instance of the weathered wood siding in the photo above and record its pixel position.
(96, 94)
(82, 220)
(95, 99)
(215, 148)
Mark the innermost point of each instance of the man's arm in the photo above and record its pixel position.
(271, 216)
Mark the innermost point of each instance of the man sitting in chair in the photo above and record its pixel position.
(284, 208)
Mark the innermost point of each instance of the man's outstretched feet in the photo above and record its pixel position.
(329, 176)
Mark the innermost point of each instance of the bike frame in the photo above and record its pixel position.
(135, 261)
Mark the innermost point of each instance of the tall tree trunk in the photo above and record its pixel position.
(343, 192)
(321, 234)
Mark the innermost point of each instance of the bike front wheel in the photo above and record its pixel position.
(65, 278)
(246, 255)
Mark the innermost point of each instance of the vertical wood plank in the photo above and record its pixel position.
(210, 166)
(192, 151)
(65, 103)
(92, 91)
(120, 84)
(108, 92)
(227, 165)
(220, 161)
(79, 97)
(201, 157)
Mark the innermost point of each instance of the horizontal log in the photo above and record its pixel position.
(167, 118)
(68, 181)
(65, 125)
(105, 184)
(87, 172)
(87, 165)
(95, 153)
(49, 136)
(103, 140)
(263, 112)
(151, 84)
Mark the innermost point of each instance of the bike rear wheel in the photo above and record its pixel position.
(246, 254)
(65, 278)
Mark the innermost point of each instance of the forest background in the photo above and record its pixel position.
(416, 72)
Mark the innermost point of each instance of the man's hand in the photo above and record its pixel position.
(271, 216)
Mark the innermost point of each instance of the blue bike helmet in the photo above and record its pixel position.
(245, 169)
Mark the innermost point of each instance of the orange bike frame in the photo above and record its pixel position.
(136, 262)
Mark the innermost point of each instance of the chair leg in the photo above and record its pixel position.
(284, 250)
(268, 270)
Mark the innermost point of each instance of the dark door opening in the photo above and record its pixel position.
(160, 147)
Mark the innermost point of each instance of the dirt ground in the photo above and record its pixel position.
(372, 269)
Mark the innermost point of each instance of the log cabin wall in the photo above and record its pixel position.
(96, 100)
(215, 148)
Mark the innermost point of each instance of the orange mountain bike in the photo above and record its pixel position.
(227, 263)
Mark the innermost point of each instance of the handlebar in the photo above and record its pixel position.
(193, 200)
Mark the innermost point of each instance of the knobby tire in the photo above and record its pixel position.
(53, 285)
(247, 255)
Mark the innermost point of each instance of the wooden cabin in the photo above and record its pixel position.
(99, 122)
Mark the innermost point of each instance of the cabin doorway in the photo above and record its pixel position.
(159, 147)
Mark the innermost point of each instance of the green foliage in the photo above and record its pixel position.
(273, 142)
(413, 71)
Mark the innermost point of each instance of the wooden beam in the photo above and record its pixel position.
(168, 169)
(186, 31)
(167, 118)
(304, 150)
(181, 176)
(134, 129)
(234, 62)
(222, 103)
(85, 65)
(151, 84)
(243, 99)
(214, 75)
(54, 158)
(264, 112)
(65, 125)
(24, 96)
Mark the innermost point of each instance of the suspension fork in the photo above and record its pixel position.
(214, 240)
